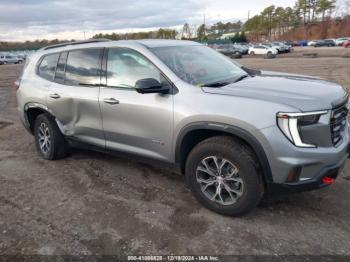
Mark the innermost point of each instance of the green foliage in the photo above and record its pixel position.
(160, 33)
(278, 20)
(201, 32)
(239, 37)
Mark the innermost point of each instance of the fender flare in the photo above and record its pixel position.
(229, 129)
(42, 107)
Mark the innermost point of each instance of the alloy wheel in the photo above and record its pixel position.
(219, 180)
(44, 138)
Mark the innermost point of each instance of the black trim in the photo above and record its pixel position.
(275, 189)
(236, 131)
(75, 143)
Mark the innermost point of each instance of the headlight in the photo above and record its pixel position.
(289, 124)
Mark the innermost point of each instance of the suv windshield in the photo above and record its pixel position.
(199, 65)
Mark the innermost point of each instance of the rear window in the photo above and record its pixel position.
(47, 66)
(83, 67)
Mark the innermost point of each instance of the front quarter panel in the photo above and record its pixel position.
(192, 105)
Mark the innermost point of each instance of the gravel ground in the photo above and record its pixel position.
(91, 203)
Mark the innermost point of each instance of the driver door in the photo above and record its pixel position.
(132, 122)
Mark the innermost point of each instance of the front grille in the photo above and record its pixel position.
(338, 123)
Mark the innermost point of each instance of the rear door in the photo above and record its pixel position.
(135, 123)
(73, 96)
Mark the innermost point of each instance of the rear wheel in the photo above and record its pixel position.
(224, 177)
(252, 53)
(49, 140)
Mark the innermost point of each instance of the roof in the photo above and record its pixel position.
(151, 43)
(148, 43)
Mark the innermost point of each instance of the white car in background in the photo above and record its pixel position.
(340, 41)
(262, 50)
(312, 43)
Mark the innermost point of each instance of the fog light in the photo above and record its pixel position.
(328, 180)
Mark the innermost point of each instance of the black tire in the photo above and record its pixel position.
(58, 146)
(252, 53)
(242, 158)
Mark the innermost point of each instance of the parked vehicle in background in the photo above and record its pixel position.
(302, 43)
(229, 50)
(326, 42)
(243, 46)
(289, 43)
(346, 44)
(312, 43)
(10, 59)
(23, 57)
(340, 41)
(282, 47)
(262, 50)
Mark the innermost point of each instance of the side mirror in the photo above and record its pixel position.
(150, 85)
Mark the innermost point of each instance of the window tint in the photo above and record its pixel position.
(61, 65)
(125, 67)
(48, 66)
(83, 67)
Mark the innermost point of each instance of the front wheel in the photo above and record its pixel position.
(252, 53)
(49, 140)
(223, 175)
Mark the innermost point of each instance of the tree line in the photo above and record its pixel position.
(272, 22)
(275, 21)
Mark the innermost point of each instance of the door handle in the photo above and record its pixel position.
(55, 96)
(111, 101)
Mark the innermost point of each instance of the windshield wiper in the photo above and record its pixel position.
(241, 78)
(216, 84)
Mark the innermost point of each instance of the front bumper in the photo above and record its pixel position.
(316, 182)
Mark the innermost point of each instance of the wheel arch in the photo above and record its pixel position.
(192, 134)
(31, 112)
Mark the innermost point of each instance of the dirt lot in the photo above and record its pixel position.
(91, 203)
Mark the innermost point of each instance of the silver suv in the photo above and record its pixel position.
(10, 59)
(236, 133)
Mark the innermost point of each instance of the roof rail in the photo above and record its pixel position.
(76, 43)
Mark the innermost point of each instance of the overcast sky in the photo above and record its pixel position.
(68, 19)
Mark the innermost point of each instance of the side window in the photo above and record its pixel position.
(61, 66)
(125, 67)
(47, 66)
(83, 67)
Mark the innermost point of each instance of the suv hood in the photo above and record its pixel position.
(301, 92)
